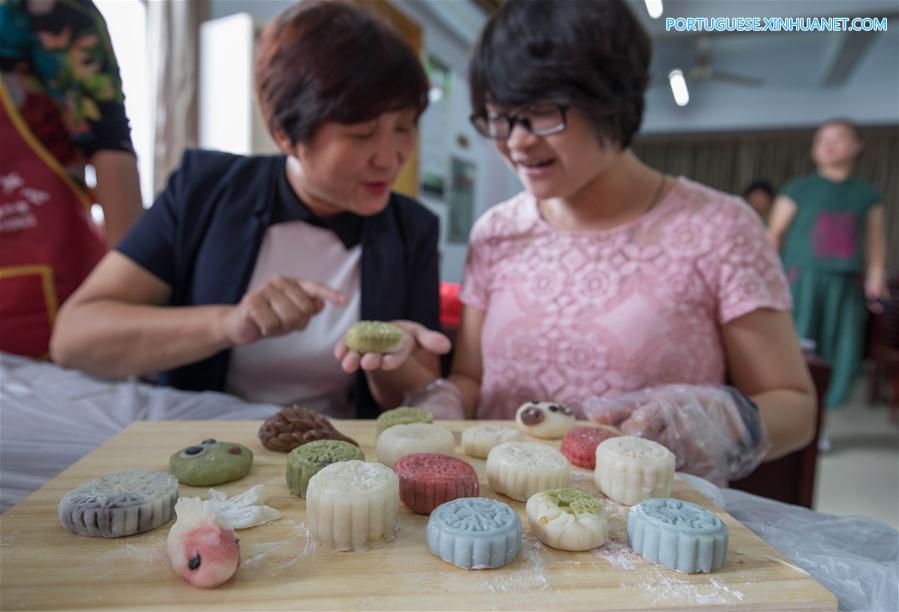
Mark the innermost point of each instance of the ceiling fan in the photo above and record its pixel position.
(701, 70)
(704, 70)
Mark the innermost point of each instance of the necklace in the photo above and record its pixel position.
(658, 194)
(541, 204)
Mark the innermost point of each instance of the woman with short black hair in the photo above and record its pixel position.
(544, 50)
(247, 271)
(626, 294)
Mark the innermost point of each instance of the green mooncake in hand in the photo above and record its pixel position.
(374, 337)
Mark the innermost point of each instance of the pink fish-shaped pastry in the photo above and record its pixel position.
(201, 545)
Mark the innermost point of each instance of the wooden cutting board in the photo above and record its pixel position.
(44, 566)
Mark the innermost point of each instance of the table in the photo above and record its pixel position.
(43, 566)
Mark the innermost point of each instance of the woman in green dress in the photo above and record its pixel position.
(829, 226)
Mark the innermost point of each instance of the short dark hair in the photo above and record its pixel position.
(323, 60)
(759, 185)
(592, 53)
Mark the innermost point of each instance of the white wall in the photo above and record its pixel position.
(127, 25)
(495, 182)
(261, 10)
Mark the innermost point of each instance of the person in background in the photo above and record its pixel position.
(607, 286)
(759, 195)
(61, 108)
(829, 226)
(247, 271)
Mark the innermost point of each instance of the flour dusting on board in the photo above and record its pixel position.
(664, 587)
(148, 553)
(528, 573)
(661, 584)
(618, 555)
(277, 556)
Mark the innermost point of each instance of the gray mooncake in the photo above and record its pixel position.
(119, 504)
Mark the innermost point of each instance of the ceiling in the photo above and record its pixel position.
(779, 59)
(771, 79)
(776, 59)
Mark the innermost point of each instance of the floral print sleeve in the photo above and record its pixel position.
(474, 281)
(750, 274)
(58, 63)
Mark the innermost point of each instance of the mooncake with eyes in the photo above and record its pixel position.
(544, 419)
(211, 463)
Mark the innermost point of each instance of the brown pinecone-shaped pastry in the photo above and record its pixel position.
(293, 426)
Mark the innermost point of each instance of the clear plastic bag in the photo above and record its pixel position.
(855, 558)
(714, 432)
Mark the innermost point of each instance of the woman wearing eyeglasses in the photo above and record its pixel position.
(607, 279)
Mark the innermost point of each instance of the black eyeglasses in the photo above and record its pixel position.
(539, 120)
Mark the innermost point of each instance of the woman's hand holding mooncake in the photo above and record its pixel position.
(375, 345)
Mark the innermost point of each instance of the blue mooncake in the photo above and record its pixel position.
(678, 535)
(475, 533)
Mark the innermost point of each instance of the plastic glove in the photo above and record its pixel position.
(441, 398)
(714, 431)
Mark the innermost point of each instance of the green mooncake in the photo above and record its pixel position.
(403, 416)
(306, 460)
(211, 463)
(374, 337)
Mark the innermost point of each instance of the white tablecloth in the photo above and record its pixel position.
(51, 417)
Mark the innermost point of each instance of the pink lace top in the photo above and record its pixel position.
(574, 314)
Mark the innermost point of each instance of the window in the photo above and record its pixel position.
(126, 21)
